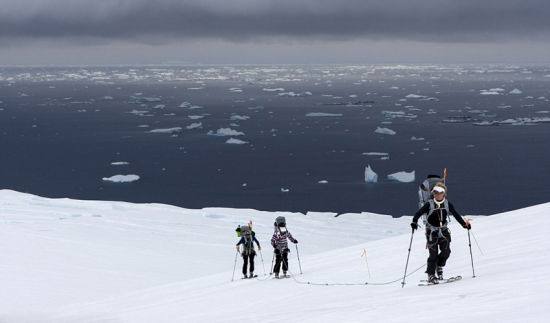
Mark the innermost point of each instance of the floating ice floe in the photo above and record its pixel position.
(515, 91)
(121, 178)
(193, 107)
(375, 154)
(486, 123)
(285, 190)
(370, 175)
(119, 163)
(234, 141)
(403, 177)
(323, 114)
(279, 89)
(259, 107)
(159, 106)
(415, 96)
(185, 104)
(107, 97)
(194, 125)
(324, 181)
(413, 138)
(195, 117)
(235, 90)
(196, 88)
(292, 94)
(142, 99)
(236, 117)
(398, 114)
(225, 132)
(167, 130)
(485, 92)
(385, 131)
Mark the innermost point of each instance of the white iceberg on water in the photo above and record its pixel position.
(370, 175)
(385, 131)
(403, 177)
(121, 178)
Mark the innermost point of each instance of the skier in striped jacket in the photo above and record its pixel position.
(279, 242)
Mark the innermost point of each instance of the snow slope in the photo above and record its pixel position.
(95, 261)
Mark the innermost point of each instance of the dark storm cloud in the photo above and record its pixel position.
(242, 20)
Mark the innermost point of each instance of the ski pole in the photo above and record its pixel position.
(407, 264)
(234, 266)
(471, 257)
(262, 257)
(272, 260)
(298, 254)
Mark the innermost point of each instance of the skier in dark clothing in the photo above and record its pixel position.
(278, 241)
(248, 253)
(438, 235)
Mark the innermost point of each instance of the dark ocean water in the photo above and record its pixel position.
(61, 128)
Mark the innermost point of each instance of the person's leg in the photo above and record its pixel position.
(285, 262)
(277, 266)
(245, 263)
(433, 251)
(445, 247)
(252, 255)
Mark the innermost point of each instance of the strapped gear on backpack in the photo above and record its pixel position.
(425, 191)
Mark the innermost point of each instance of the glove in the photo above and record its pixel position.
(295, 241)
(467, 226)
(259, 248)
(414, 225)
(238, 248)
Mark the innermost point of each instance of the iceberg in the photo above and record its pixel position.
(375, 154)
(385, 131)
(119, 163)
(236, 117)
(235, 141)
(167, 130)
(415, 96)
(403, 177)
(370, 175)
(225, 132)
(194, 125)
(121, 178)
(323, 114)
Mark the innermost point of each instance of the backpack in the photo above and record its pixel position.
(280, 220)
(428, 184)
(242, 230)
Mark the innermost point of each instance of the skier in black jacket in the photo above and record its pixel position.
(438, 235)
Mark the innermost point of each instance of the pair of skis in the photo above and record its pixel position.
(425, 282)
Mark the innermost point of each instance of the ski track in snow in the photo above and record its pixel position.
(87, 261)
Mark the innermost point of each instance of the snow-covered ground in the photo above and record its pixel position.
(96, 261)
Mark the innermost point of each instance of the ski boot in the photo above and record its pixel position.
(440, 273)
(276, 275)
(432, 279)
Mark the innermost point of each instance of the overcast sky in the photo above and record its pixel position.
(88, 32)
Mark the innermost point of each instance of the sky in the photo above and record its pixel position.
(104, 32)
